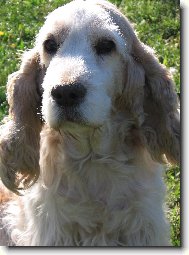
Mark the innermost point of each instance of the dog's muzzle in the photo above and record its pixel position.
(67, 99)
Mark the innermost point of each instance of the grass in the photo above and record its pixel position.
(157, 23)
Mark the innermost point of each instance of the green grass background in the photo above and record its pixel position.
(157, 23)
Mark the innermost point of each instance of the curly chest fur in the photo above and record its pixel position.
(89, 198)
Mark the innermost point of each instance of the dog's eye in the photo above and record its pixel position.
(104, 47)
(50, 46)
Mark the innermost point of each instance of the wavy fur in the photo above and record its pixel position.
(97, 180)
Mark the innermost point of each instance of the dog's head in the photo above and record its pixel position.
(86, 65)
(83, 51)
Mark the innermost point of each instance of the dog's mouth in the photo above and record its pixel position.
(67, 115)
(56, 116)
(70, 114)
(63, 117)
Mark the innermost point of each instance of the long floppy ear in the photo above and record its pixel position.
(161, 126)
(19, 135)
(150, 94)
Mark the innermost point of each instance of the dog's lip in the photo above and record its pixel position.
(67, 123)
(70, 114)
(63, 116)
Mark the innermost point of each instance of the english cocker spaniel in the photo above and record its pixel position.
(92, 118)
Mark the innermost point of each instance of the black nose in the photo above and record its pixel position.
(68, 95)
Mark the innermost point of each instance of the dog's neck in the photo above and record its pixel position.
(82, 141)
(88, 154)
(111, 139)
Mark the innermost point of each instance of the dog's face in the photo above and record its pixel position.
(83, 53)
(87, 64)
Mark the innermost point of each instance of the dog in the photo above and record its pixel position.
(93, 117)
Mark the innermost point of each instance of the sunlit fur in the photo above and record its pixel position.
(97, 180)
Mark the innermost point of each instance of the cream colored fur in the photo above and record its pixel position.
(95, 181)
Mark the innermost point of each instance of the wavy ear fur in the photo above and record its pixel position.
(149, 94)
(19, 136)
(161, 126)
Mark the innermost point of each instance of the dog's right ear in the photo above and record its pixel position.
(20, 133)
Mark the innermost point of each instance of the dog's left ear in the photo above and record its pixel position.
(149, 94)
(161, 126)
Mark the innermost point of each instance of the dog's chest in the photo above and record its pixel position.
(104, 180)
(93, 189)
(100, 169)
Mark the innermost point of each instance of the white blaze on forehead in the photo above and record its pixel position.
(79, 12)
(83, 17)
